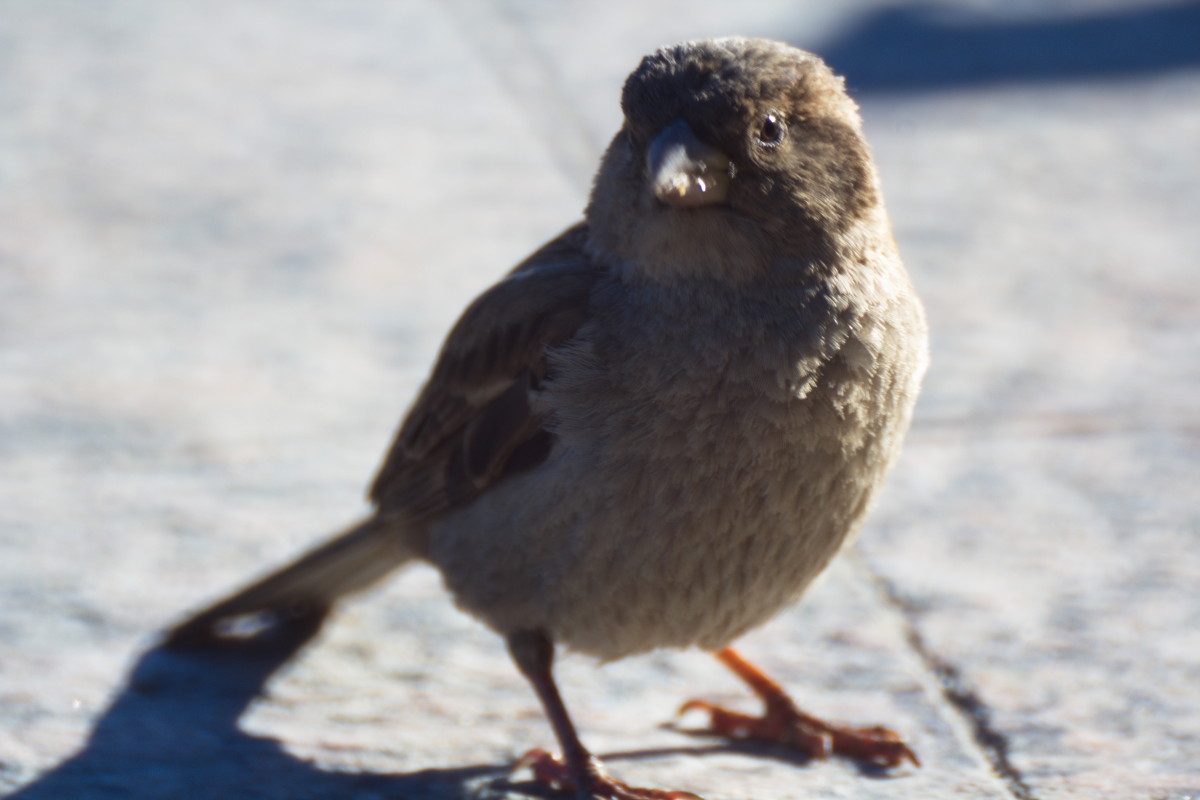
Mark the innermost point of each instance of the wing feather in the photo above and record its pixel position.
(473, 423)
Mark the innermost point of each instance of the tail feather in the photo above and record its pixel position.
(307, 587)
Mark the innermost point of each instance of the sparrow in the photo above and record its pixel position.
(658, 429)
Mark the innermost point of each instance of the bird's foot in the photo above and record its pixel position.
(555, 774)
(785, 724)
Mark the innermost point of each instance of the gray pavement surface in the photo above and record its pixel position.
(232, 235)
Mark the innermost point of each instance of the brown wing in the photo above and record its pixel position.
(473, 424)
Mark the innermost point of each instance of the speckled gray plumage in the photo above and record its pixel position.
(733, 402)
(714, 452)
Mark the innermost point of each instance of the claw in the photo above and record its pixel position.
(812, 737)
(783, 723)
(551, 772)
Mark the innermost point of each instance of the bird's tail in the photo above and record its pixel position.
(304, 590)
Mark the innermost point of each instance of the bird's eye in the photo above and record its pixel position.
(771, 130)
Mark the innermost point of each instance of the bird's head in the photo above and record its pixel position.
(738, 157)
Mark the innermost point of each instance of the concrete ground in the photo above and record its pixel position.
(233, 233)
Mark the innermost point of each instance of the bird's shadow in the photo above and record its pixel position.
(172, 731)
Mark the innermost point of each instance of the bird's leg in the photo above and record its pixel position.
(783, 723)
(577, 770)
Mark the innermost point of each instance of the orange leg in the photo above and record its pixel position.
(577, 771)
(783, 723)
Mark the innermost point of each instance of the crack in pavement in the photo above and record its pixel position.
(956, 689)
(505, 45)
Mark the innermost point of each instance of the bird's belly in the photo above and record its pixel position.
(615, 557)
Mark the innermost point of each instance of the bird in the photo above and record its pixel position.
(660, 427)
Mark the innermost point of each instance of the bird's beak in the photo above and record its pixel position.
(686, 172)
